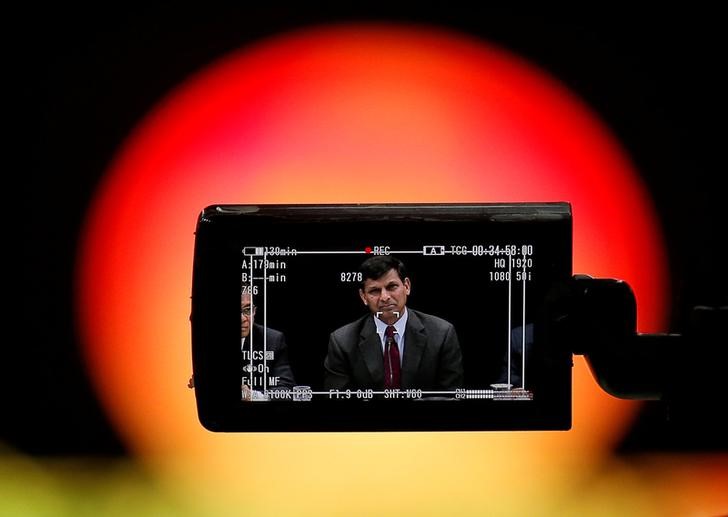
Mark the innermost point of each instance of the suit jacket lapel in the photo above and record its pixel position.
(370, 348)
(415, 338)
(255, 336)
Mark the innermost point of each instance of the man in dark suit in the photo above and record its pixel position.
(261, 354)
(261, 369)
(516, 359)
(393, 347)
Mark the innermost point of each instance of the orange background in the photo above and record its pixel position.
(136, 119)
(367, 113)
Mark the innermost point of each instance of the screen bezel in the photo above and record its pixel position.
(215, 304)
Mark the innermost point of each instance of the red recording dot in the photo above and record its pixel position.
(368, 249)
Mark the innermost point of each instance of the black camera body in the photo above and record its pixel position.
(281, 340)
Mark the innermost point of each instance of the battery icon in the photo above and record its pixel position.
(253, 250)
(433, 250)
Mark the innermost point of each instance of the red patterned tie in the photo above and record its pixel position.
(391, 360)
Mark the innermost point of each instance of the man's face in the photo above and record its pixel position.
(386, 295)
(247, 313)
